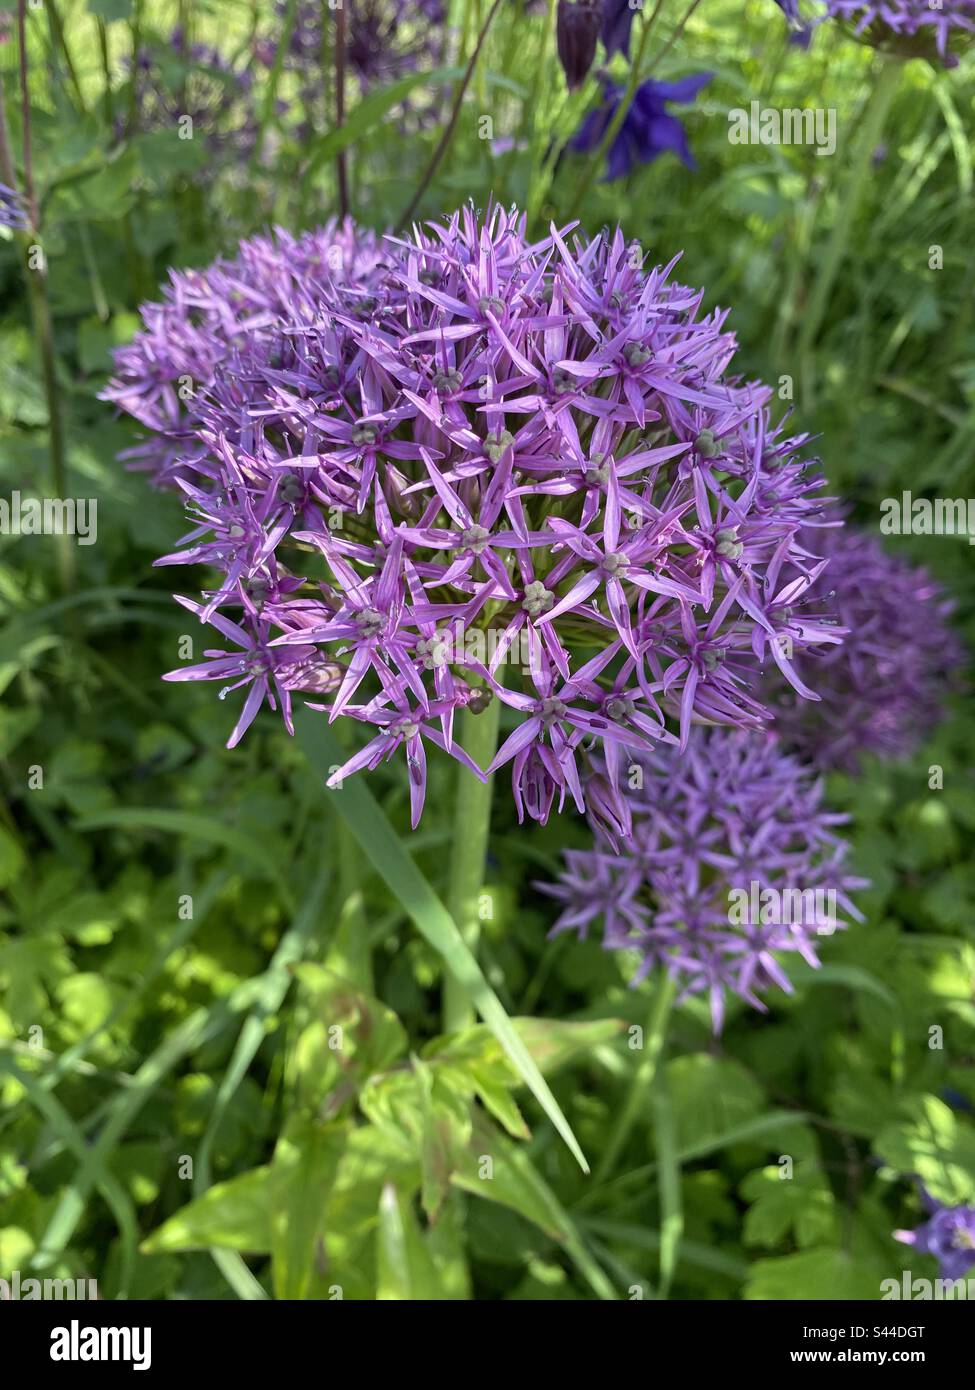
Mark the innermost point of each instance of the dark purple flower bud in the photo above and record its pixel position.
(577, 30)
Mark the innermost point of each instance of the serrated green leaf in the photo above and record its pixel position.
(802, 1206)
(935, 1145)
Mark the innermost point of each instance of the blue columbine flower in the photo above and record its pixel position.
(802, 30)
(648, 129)
(948, 1235)
(617, 23)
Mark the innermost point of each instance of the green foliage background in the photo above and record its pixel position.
(184, 928)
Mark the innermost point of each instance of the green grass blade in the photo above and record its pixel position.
(274, 986)
(193, 826)
(192, 1033)
(691, 1252)
(368, 823)
(668, 1166)
(116, 1198)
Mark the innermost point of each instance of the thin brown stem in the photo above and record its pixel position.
(448, 135)
(341, 162)
(106, 73)
(8, 174)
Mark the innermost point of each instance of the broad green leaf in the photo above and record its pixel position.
(404, 1266)
(496, 1097)
(825, 1275)
(446, 1120)
(372, 1158)
(500, 1171)
(356, 804)
(399, 1103)
(802, 1206)
(305, 1166)
(937, 1146)
(367, 1036)
(711, 1096)
(446, 1242)
(233, 1215)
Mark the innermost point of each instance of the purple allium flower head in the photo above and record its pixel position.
(577, 30)
(728, 863)
(12, 213)
(910, 27)
(948, 1235)
(249, 311)
(882, 690)
(648, 128)
(463, 465)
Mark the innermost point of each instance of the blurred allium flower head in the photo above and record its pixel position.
(464, 465)
(910, 27)
(385, 39)
(647, 129)
(948, 1235)
(724, 862)
(12, 213)
(183, 79)
(883, 689)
